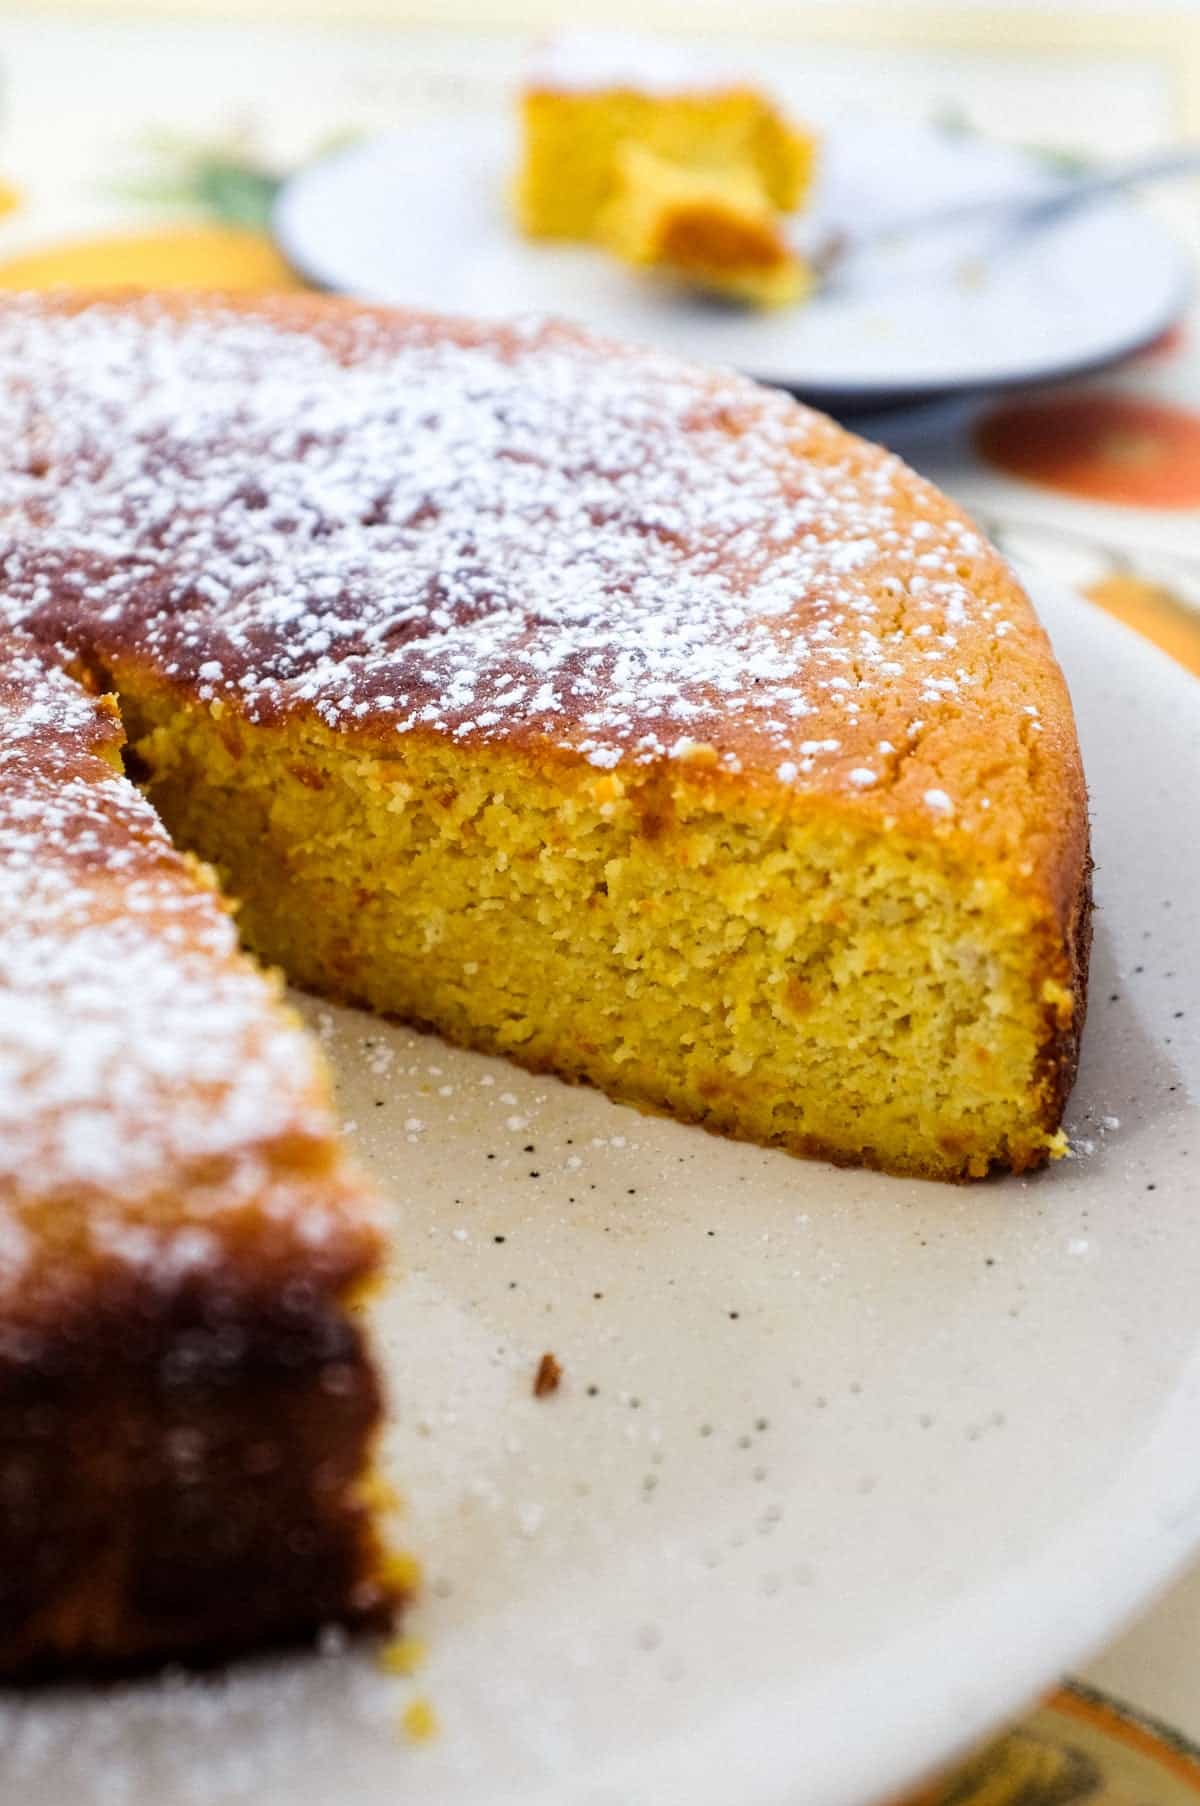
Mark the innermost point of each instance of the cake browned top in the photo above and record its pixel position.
(163, 1122)
(406, 524)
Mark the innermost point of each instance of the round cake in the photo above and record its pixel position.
(613, 714)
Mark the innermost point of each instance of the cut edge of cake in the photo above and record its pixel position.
(693, 943)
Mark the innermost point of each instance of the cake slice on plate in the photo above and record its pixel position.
(592, 95)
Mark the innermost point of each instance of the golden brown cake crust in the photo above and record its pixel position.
(405, 525)
(186, 1403)
(400, 522)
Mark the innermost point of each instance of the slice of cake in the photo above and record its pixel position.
(186, 1403)
(591, 95)
(585, 705)
(711, 229)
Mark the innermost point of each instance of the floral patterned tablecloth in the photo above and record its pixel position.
(146, 152)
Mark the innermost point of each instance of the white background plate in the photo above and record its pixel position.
(950, 1438)
(421, 218)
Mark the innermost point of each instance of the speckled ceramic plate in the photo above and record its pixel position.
(841, 1468)
(421, 217)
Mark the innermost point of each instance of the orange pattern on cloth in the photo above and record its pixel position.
(1153, 611)
(184, 255)
(1079, 1748)
(1102, 448)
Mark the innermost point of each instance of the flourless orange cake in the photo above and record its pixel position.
(589, 707)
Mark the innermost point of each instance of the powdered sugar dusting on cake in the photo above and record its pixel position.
(402, 526)
(147, 1080)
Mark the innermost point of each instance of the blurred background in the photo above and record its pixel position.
(143, 142)
(1053, 386)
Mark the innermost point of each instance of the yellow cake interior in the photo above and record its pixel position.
(715, 229)
(777, 972)
(571, 140)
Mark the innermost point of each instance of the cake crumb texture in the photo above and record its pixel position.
(579, 114)
(712, 229)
